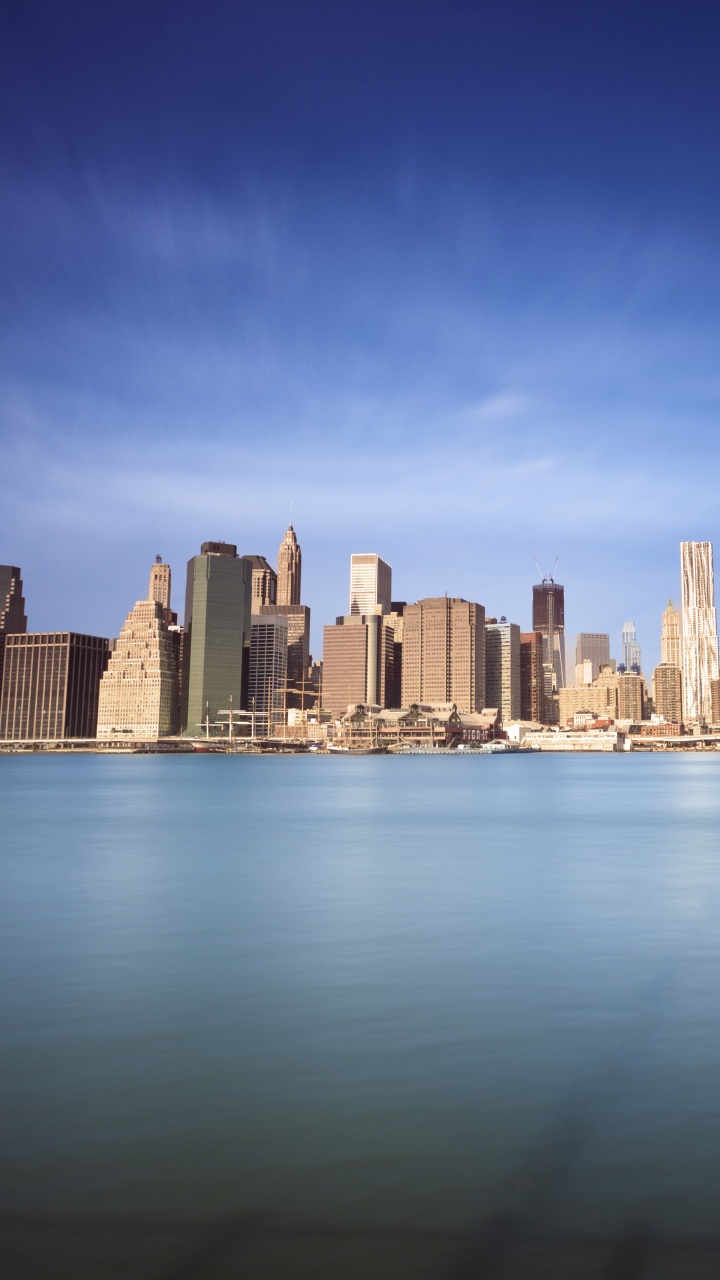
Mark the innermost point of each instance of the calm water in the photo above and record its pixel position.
(376, 1017)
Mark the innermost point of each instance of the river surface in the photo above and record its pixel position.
(375, 1017)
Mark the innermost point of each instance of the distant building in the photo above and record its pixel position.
(444, 653)
(50, 685)
(289, 571)
(268, 668)
(12, 607)
(667, 692)
(502, 668)
(592, 647)
(631, 652)
(217, 628)
(370, 584)
(715, 698)
(395, 620)
(160, 583)
(630, 696)
(298, 643)
(699, 629)
(532, 687)
(671, 637)
(264, 582)
(549, 619)
(12, 603)
(139, 690)
(357, 669)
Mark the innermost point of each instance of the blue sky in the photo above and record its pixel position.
(444, 276)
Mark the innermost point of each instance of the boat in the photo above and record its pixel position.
(357, 751)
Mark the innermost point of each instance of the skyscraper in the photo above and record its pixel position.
(50, 685)
(671, 636)
(264, 582)
(667, 692)
(139, 690)
(370, 584)
(631, 652)
(298, 643)
(12, 604)
(444, 653)
(160, 580)
(217, 628)
(268, 668)
(12, 607)
(502, 668)
(592, 647)
(289, 569)
(549, 619)
(699, 629)
(358, 656)
(532, 685)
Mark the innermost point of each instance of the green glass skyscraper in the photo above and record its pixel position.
(217, 632)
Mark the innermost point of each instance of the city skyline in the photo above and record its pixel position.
(381, 278)
(262, 572)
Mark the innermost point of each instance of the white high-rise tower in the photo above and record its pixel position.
(370, 584)
(699, 629)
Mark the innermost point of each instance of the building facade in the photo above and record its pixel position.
(444, 653)
(264, 582)
(502, 669)
(160, 584)
(298, 642)
(289, 570)
(370, 584)
(699, 629)
(548, 618)
(50, 685)
(358, 655)
(631, 696)
(631, 652)
(667, 692)
(139, 690)
(671, 637)
(268, 669)
(592, 647)
(217, 629)
(532, 684)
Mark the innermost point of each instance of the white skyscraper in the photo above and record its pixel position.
(631, 654)
(699, 629)
(370, 584)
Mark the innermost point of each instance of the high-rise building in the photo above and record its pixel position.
(699, 629)
(631, 696)
(289, 570)
(12, 607)
(264, 582)
(532, 685)
(12, 603)
(502, 668)
(667, 692)
(217, 629)
(715, 699)
(549, 619)
(358, 653)
(592, 647)
(631, 652)
(444, 653)
(268, 669)
(139, 690)
(671, 637)
(370, 584)
(298, 643)
(160, 582)
(50, 685)
(395, 620)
